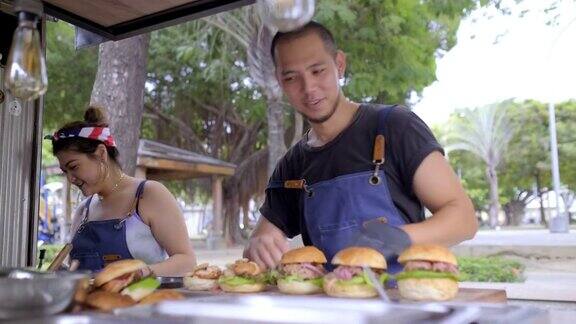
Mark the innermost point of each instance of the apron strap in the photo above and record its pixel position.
(134, 207)
(290, 184)
(85, 219)
(139, 193)
(379, 152)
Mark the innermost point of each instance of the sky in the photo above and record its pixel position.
(499, 56)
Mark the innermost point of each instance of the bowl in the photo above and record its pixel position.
(30, 293)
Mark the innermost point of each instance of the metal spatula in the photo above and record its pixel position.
(376, 284)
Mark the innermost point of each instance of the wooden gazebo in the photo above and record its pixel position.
(157, 161)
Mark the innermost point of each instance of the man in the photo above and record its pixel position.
(361, 175)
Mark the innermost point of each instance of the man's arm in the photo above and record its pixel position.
(266, 245)
(439, 189)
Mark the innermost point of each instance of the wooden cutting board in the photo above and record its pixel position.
(466, 295)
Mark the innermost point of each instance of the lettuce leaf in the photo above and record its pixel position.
(237, 280)
(290, 278)
(269, 277)
(425, 274)
(364, 279)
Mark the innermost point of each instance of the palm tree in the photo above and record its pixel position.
(485, 132)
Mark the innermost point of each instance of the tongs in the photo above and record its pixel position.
(430, 307)
(61, 256)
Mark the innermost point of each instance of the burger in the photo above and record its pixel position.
(243, 277)
(301, 271)
(161, 295)
(430, 273)
(203, 277)
(120, 285)
(107, 301)
(349, 278)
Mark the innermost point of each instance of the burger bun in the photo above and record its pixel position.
(246, 288)
(199, 284)
(298, 287)
(420, 289)
(350, 291)
(308, 254)
(360, 257)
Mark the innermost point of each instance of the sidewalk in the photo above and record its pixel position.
(534, 244)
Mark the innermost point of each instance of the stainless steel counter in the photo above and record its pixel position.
(240, 309)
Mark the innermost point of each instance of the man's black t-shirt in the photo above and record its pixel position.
(408, 142)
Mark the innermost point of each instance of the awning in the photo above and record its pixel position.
(117, 19)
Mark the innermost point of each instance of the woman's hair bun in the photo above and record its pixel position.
(95, 115)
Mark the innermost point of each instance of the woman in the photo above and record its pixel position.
(123, 217)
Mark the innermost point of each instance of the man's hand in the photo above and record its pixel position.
(267, 245)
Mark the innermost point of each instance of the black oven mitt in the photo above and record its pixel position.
(387, 239)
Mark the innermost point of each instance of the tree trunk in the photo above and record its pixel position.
(492, 177)
(515, 211)
(276, 143)
(232, 234)
(298, 128)
(119, 88)
(540, 194)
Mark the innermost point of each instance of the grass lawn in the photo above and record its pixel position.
(490, 269)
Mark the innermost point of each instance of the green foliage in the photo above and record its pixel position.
(51, 252)
(71, 76)
(527, 156)
(490, 269)
(391, 45)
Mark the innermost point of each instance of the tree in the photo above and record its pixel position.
(246, 27)
(119, 88)
(485, 132)
(200, 89)
(527, 166)
(391, 45)
(71, 74)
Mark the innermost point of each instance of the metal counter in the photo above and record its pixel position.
(240, 309)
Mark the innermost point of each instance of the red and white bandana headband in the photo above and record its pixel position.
(96, 133)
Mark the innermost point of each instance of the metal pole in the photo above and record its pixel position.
(558, 222)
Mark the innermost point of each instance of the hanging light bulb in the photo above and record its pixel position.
(25, 75)
(286, 15)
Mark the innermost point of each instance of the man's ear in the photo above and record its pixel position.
(340, 60)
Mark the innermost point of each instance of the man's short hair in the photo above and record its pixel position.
(311, 27)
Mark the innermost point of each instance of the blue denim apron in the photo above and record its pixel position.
(335, 209)
(97, 243)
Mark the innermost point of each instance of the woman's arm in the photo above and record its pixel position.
(159, 209)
